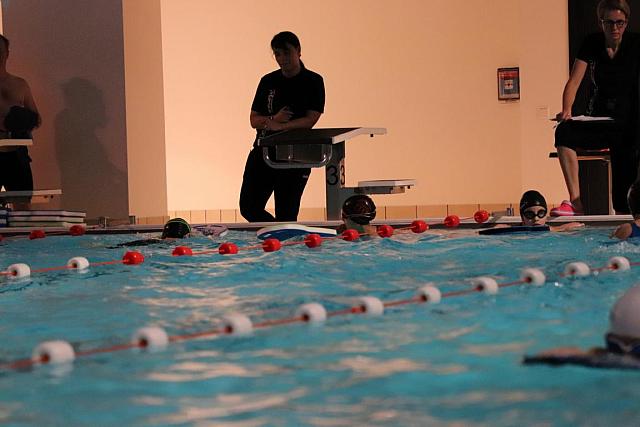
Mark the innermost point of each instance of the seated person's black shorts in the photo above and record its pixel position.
(598, 136)
(15, 170)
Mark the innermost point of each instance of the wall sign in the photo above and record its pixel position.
(508, 83)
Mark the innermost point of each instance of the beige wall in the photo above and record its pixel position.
(545, 69)
(426, 70)
(146, 151)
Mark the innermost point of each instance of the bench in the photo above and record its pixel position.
(595, 180)
(313, 148)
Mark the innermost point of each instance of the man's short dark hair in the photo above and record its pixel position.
(280, 40)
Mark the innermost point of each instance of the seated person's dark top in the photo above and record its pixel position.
(611, 78)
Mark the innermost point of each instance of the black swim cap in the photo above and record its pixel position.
(633, 198)
(530, 199)
(359, 209)
(176, 228)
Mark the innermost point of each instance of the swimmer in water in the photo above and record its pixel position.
(177, 228)
(631, 229)
(622, 341)
(357, 212)
(533, 214)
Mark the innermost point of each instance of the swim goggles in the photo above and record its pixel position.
(531, 215)
(616, 345)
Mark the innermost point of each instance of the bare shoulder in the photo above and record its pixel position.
(623, 231)
(15, 84)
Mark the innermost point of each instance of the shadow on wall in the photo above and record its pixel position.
(87, 185)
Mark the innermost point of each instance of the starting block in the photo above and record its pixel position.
(4, 142)
(35, 196)
(313, 148)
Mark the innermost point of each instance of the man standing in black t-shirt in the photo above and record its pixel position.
(289, 98)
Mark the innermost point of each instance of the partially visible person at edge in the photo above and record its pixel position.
(289, 98)
(622, 340)
(631, 229)
(357, 213)
(609, 59)
(18, 116)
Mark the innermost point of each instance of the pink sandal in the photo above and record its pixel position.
(566, 208)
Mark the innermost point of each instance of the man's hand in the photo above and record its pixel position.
(563, 115)
(283, 116)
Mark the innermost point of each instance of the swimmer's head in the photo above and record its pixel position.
(359, 209)
(633, 199)
(533, 208)
(176, 228)
(624, 323)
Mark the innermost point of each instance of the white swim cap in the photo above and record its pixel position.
(624, 318)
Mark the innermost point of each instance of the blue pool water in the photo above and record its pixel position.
(456, 363)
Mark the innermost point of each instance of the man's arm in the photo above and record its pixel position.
(306, 122)
(29, 102)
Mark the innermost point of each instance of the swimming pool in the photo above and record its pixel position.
(454, 363)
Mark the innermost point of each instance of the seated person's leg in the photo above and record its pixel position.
(573, 135)
(257, 186)
(289, 187)
(624, 169)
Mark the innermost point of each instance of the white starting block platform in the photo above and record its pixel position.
(313, 148)
(15, 142)
(35, 196)
(385, 186)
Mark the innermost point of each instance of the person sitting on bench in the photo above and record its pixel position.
(611, 63)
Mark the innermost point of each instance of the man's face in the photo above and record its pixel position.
(288, 58)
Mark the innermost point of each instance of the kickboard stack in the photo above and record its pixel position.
(3, 217)
(45, 218)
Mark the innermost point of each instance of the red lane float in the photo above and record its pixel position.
(350, 235)
(228, 248)
(385, 231)
(182, 251)
(133, 258)
(419, 226)
(37, 234)
(452, 221)
(313, 240)
(271, 245)
(77, 230)
(481, 216)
